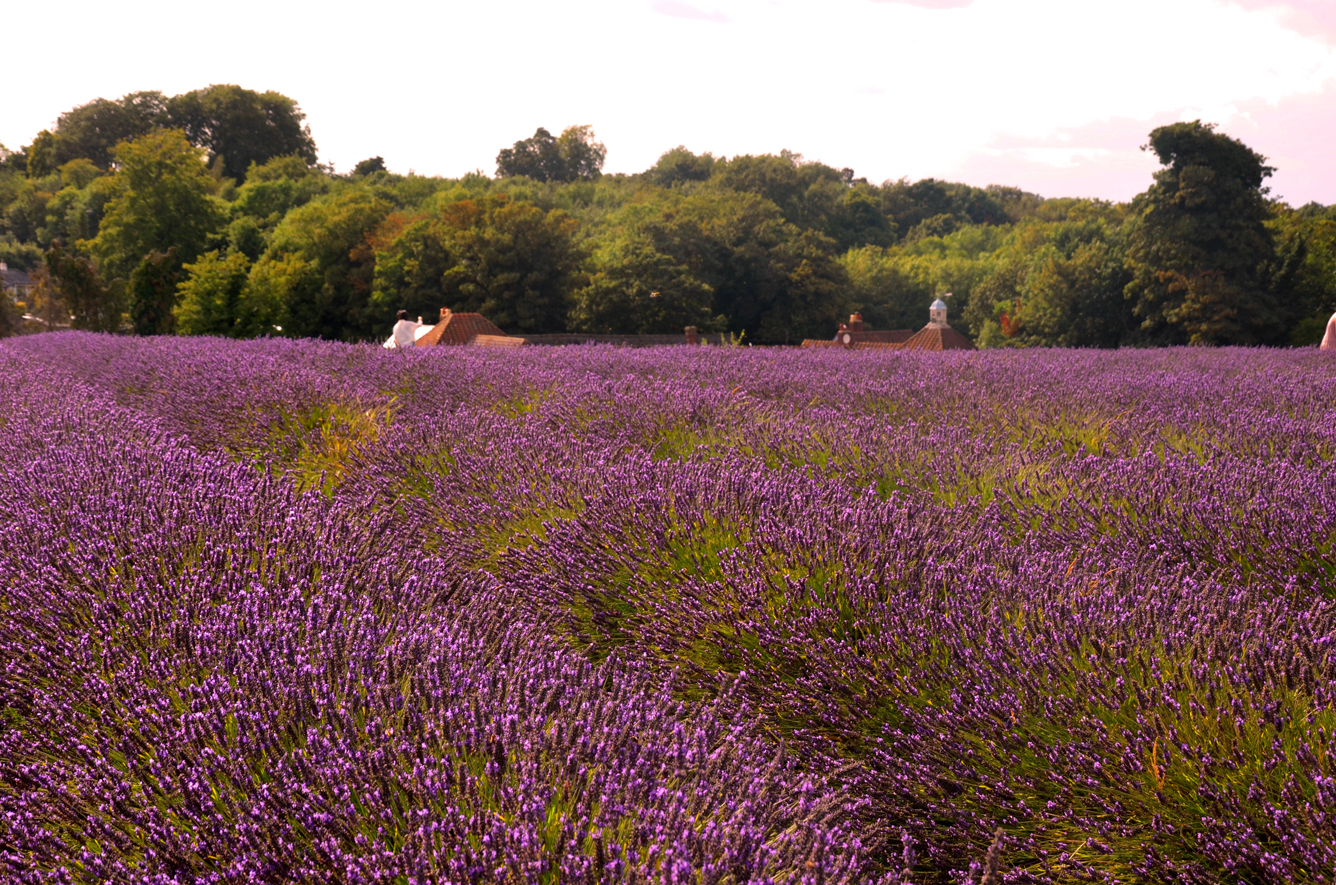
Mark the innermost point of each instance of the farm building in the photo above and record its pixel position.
(475, 330)
(936, 335)
(14, 283)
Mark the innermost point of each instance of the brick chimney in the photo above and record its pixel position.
(691, 335)
(445, 314)
(856, 322)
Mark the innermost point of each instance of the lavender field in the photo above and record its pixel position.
(295, 611)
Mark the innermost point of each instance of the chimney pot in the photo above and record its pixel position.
(445, 313)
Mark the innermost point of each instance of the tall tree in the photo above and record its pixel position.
(1198, 242)
(315, 278)
(212, 298)
(581, 154)
(152, 291)
(506, 259)
(41, 155)
(680, 165)
(1309, 235)
(92, 131)
(162, 205)
(242, 126)
(572, 157)
(93, 306)
(770, 279)
(9, 320)
(635, 289)
(369, 165)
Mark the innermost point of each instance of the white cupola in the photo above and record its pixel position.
(937, 313)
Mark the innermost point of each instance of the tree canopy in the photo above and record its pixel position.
(92, 131)
(242, 126)
(207, 213)
(507, 259)
(1199, 245)
(573, 156)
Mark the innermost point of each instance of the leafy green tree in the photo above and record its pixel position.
(92, 305)
(536, 158)
(277, 281)
(277, 187)
(161, 210)
(807, 194)
(1077, 300)
(315, 278)
(859, 221)
(1055, 285)
(506, 259)
(679, 166)
(1198, 243)
(92, 131)
(75, 211)
(814, 295)
(9, 317)
(910, 205)
(574, 156)
(769, 278)
(42, 155)
(13, 162)
(212, 298)
(1307, 236)
(368, 166)
(937, 226)
(412, 256)
(242, 126)
(635, 289)
(152, 291)
(20, 256)
(883, 290)
(78, 173)
(11, 181)
(581, 154)
(812, 196)
(245, 236)
(26, 215)
(1014, 203)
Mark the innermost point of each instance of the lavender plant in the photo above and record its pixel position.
(310, 611)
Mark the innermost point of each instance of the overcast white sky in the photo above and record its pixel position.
(1055, 96)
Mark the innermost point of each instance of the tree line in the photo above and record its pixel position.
(208, 213)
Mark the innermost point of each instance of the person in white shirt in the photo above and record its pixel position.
(1329, 339)
(403, 330)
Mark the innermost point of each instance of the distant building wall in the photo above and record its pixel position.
(568, 338)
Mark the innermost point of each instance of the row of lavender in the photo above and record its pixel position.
(888, 603)
(210, 676)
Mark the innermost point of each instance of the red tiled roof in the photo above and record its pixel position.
(886, 336)
(932, 337)
(459, 328)
(864, 339)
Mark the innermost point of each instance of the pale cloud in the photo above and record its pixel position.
(678, 9)
(1104, 158)
(1315, 18)
(931, 4)
(1050, 95)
